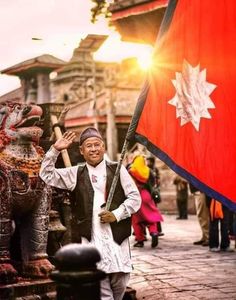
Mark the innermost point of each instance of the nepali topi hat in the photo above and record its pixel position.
(88, 133)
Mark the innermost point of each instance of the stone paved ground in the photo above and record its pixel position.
(177, 269)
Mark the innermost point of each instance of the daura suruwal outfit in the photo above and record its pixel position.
(91, 186)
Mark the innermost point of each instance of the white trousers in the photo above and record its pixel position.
(114, 285)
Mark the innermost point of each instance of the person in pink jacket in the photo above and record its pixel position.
(148, 215)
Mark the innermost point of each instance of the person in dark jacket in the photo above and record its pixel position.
(155, 183)
(181, 197)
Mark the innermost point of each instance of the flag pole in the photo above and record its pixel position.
(129, 136)
(116, 176)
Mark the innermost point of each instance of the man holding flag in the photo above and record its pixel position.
(107, 229)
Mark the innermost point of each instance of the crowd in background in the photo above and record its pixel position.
(217, 222)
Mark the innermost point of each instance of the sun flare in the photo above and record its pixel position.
(115, 50)
(145, 61)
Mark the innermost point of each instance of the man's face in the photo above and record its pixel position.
(93, 150)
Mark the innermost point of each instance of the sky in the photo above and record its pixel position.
(60, 25)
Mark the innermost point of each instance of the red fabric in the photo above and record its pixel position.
(139, 229)
(201, 32)
(216, 211)
(148, 215)
(148, 212)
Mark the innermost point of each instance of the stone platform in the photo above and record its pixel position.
(29, 290)
(179, 270)
(40, 290)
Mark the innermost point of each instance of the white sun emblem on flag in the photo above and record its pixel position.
(192, 99)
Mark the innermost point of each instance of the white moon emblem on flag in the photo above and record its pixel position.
(192, 99)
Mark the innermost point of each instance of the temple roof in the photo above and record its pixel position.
(81, 63)
(92, 42)
(16, 95)
(44, 62)
(125, 8)
(138, 20)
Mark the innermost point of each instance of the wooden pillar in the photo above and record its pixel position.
(94, 95)
(112, 145)
(43, 92)
(110, 78)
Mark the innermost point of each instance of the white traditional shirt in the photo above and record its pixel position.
(115, 258)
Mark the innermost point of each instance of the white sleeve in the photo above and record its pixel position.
(133, 198)
(64, 178)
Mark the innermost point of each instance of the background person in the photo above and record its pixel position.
(202, 213)
(156, 184)
(219, 216)
(181, 197)
(148, 215)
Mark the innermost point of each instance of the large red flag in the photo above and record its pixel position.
(186, 113)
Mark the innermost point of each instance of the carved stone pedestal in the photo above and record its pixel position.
(25, 289)
(44, 289)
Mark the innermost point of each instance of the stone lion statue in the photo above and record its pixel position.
(24, 199)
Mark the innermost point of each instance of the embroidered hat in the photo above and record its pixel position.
(87, 133)
(139, 170)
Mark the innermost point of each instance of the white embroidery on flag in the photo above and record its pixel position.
(192, 99)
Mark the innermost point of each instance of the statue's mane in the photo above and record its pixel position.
(4, 139)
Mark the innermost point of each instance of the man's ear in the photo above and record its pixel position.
(81, 150)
